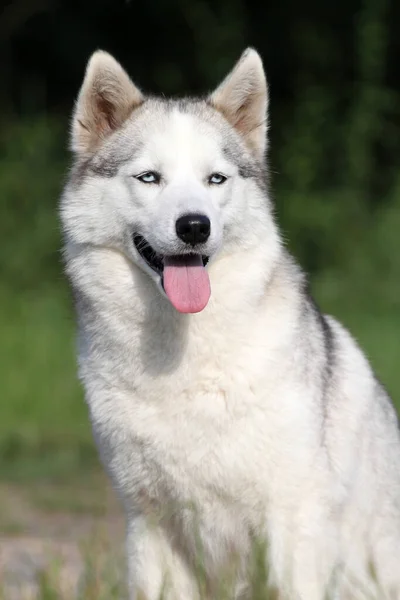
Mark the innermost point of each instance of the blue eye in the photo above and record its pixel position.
(149, 177)
(216, 179)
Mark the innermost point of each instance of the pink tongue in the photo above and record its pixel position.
(186, 283)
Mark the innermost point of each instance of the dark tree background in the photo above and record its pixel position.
(332, 69)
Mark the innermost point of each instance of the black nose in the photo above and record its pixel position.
(193, 229)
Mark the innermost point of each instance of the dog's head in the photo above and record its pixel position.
(170, 183)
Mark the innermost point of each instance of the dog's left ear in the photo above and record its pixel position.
(106, 99)
(242, 98)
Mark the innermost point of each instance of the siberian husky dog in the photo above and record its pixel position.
(226, 408)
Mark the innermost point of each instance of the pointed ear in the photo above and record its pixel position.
(242, 98)
(106, 99)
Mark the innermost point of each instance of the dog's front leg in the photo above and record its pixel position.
(155, 569)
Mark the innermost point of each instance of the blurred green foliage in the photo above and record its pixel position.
(334, 153)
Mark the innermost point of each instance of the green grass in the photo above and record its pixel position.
(44, 427)
(100, 576)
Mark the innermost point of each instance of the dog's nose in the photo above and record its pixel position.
(193, 229)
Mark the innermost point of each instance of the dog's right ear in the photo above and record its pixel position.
(106, 99)
(242, 98)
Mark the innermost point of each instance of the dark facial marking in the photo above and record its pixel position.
(247, 169)
(103, 167)
(104, 164)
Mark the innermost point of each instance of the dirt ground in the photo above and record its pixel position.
(57, 530)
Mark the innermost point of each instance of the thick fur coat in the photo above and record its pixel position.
(251, 417)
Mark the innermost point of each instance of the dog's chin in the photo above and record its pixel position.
(182, 278)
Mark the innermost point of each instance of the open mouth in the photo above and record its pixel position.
(155, 260)
(184, 278)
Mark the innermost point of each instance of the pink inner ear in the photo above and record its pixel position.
(106, 119)
(241, 117)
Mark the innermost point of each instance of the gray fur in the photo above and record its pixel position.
(255, 413)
